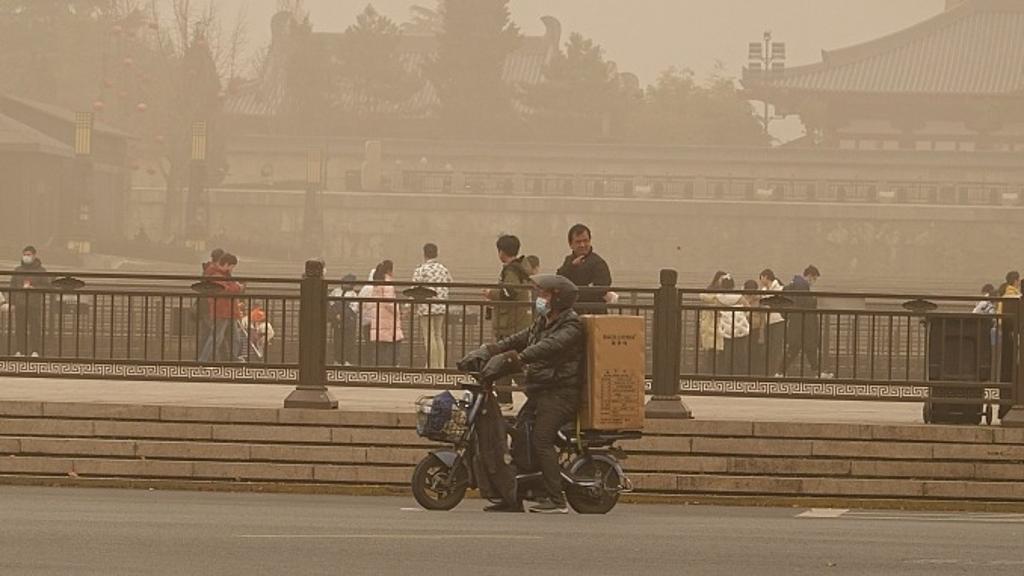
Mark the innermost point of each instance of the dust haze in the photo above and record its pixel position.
(141, 134)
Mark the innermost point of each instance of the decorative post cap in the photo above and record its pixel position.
(314, 269)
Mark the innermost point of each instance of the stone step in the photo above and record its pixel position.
(208, 415)
(204, 470)
(406, 437)
(650, 483)
(896, 488)
(201, 451)
(144, 429)
(781, 466)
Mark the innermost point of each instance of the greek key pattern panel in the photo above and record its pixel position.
(837, 390)
(396, 378)
(242, 373)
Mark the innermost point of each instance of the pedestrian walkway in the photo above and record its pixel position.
(401, 400)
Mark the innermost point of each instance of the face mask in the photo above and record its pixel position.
(27, 260)
(542, 307)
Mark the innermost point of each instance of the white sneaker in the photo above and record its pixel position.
(35, 354)
(779, 375)
(18, 354)
(827, 375)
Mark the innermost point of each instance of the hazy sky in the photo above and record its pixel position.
(647, 36)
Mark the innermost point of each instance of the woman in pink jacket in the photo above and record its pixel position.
(385, 318)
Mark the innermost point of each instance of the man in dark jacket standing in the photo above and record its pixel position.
(553, 351)
(803, 328)
(27, 305)
(588, 271)
(512, 315)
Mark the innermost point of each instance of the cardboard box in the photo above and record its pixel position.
(613, 396)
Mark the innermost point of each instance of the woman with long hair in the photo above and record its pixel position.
(385, 317)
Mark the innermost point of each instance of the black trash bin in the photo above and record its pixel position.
(959, 349)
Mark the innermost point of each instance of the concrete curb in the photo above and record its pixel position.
(645, 499)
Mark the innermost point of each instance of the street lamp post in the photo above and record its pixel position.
(197, 212)
(766, 59)
(79, 215)
(313, 217)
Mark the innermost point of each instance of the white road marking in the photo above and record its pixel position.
(388, 537)
(823, 513)
(411, 509)
(898, 516)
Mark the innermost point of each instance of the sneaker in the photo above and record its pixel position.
(827, 375)
(35, 354)
(18, 355)
(507, 407)
(503, 507)
(779, 375)
(548, 506)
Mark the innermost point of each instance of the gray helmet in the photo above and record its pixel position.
(564, 292)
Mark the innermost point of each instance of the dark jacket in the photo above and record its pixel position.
(509, 319)
(593, 278)
(800, 284)
(554, 354)
(496, 477)
(21, 282)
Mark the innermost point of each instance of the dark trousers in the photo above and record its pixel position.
(387, 354)
(549, 411)
(734, 358)
(774, 344)
(345, 344)
(28, 329)
(802, 340)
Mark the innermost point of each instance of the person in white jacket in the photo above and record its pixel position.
(732, 331)
(775, 335)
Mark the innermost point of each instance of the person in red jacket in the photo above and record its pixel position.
(225, 312)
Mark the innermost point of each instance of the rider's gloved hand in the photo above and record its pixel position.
(501, 365)
(475, 360)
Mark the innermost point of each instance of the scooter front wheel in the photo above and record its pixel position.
(599, 500)
(436, 486)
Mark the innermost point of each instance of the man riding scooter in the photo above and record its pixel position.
(552, 351)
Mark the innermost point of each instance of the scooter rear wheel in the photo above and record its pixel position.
(434, 487)
(594, 500)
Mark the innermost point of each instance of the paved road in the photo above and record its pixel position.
(48, 531)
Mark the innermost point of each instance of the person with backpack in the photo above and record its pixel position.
(803, 328)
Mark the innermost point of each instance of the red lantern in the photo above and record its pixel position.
(98, 105)
(128, 62)
(141, 107)
(107, 82)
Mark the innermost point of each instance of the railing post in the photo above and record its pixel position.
(667, 348)
(1015, 417)
(312, 391)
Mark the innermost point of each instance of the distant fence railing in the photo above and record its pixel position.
(316, 332)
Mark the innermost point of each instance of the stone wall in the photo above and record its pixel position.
(891, 247)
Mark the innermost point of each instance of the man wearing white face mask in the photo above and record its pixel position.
(26, 305)
(553, 353)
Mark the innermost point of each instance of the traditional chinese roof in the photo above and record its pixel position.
(974, 49)
(265, 96)
(18, 137)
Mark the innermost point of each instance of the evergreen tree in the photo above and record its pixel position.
(468, 71)
(677, 110)
(373, 79)
(581, 98)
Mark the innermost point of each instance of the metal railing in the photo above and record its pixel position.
(315, 332)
